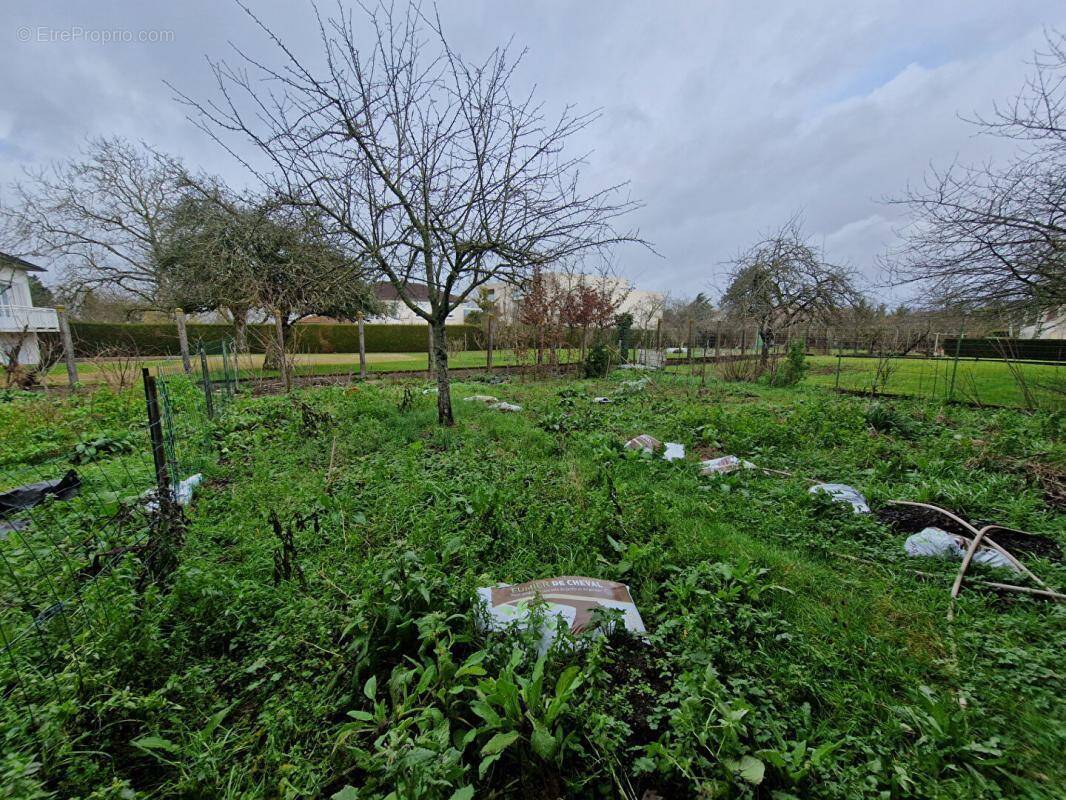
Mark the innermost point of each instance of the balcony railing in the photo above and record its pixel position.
(31, 318)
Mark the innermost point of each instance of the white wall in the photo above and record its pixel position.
(1051, 326)
(401, 314)
(17, 295)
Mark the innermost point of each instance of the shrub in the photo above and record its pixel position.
(598, 362)
(794, 368)
(739, 370)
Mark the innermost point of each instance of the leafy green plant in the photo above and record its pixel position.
(92, 449)
(885, 418)
(794, 367)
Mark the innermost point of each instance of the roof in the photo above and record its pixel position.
(416, 292)
(18, 263)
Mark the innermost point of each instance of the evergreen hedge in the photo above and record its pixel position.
(1015, 349)
(161, 339)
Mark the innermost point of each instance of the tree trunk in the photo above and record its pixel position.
(240, 329)
(440, 362)
(283, 362)
(764, 354)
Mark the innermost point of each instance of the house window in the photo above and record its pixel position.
(7, 295)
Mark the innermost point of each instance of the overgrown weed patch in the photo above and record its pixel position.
(776, 665)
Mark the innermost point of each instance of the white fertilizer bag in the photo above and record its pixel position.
(505, 407)
(571, 598)
(482, 398)
(649, 444)
(674, 451)
(723, 465)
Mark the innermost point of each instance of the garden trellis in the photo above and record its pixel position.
(76, 546)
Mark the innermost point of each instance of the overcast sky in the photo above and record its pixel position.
(726, 117)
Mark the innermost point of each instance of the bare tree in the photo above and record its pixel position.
(993, 237)
(100, 214)
(427, 164)
(784, 280)
(591, 304)
(28, 375)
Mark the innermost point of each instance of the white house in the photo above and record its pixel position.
(1050, 325)
(399, 313)
(20, 320)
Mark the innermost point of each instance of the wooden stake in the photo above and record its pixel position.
(362, 346)
(183, 340)
(68, 346)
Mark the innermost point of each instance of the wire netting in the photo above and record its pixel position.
(81, 507)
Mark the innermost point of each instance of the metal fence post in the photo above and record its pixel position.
(155, 431)
(208, 389)
(488, 353)
(839, 357)
(183, 340)
(68, 346)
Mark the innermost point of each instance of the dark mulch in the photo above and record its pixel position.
(909, 519)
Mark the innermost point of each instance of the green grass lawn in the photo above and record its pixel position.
(792, 652)
(990, 382)
(95, 372)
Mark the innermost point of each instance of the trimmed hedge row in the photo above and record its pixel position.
(1015, 349)
(152, 339)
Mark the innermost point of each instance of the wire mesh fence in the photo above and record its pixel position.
(90, 496)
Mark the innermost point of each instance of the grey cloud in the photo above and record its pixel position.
(725, 118)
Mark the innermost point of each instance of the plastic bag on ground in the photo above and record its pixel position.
(571, 598)
(183, 492)
(842, 493)
(723, 465)
(937, 543)
(505, 407)
(33, 493)
(674, 451)
(482, 398)
(645, 442)
(603, 400)
(12, 526)
(934, 543)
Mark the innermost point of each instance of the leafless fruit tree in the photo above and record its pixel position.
(783, 281)
(992, 237)
(99, 214)
(427, 164)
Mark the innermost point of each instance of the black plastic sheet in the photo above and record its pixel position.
(34, 493)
